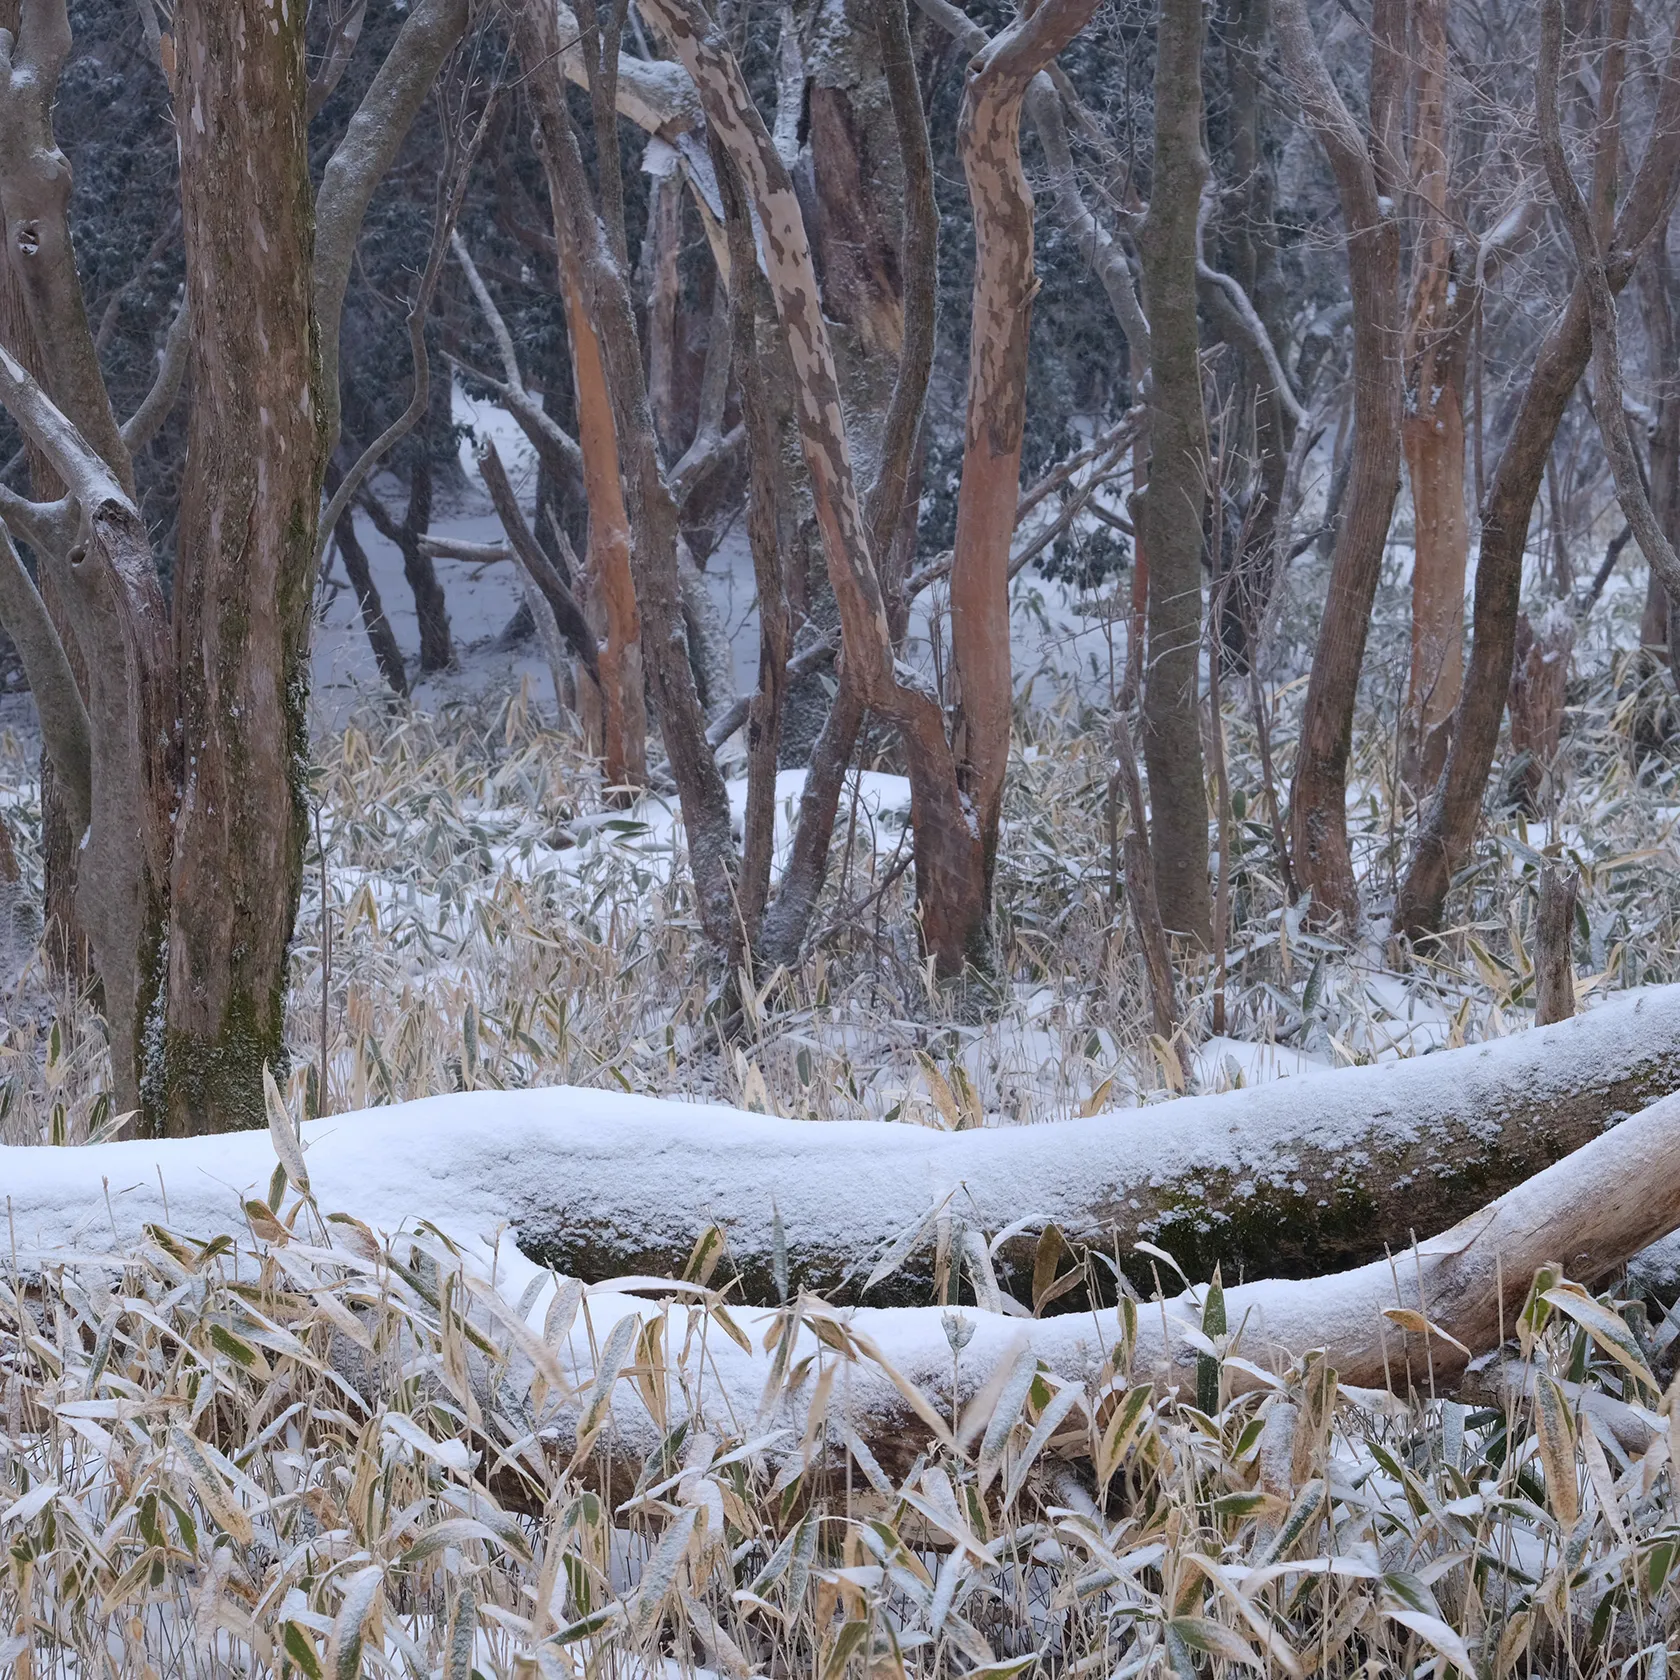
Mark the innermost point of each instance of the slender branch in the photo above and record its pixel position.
(557, 447)
(361, 161)
(452, 190)
(536, 565)
(64, 719)
(1601, 311)
(802, 664)
(340, 51)
(147, 420)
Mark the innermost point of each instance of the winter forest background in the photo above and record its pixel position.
(838, 838)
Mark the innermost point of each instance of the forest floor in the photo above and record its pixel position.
(479, 915)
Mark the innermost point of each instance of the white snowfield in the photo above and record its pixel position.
(566, 1171)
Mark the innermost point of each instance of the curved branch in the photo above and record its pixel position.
(145, 422)
(360, 162)
(64, 719)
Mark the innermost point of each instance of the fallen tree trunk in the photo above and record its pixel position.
(1297, 1178)
(1589, 1213)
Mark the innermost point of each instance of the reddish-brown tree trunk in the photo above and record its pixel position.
(245, 573)
(1437, 352)
(623, 701)
(1363, 164)
(1449, 821)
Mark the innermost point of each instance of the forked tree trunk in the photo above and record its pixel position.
(1449, 822)
(245, 575)
(1363, 163)
(953, 848)
(1437, 347)
(1176, 499)
(192, 858)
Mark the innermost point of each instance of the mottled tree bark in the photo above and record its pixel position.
(245, 575)
(1172, 508)
(953, 850)
(1363, 162)
(192, 857)
(1437, 351)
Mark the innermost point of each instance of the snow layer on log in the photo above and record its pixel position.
(901, 1378)
(1296, 1178)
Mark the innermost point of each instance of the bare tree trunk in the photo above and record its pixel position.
(1437, 352)
(381, 637)
(1175, 501)
(623, 700)
(1554, 947)
(1253, 243)
(34, 205)
(190, 865)
(245, 574)
(660, 252)
(775, 624)
(437, 651)
(1449, 820)
(1658, 312)
(1363, 164)
(1141, 891)
(1539, 677)
(891, 505)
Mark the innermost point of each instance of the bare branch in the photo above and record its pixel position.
(363, 157)
(452, 188)
(339, 53)
(536, 565)
(145, 422)
(64, 719)
(1601, 310)
(559, 450)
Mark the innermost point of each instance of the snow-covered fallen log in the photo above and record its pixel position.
(1300, 1177)
(1589, 1213)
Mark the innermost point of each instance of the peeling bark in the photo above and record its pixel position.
(953, 851)
(245, 576)
(1438, 327)
(594, 274)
